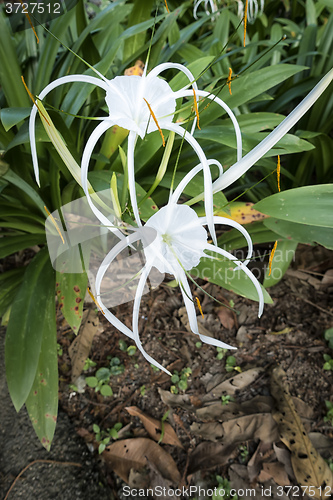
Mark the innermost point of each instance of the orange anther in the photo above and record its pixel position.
(155, 120)
(278, 172)
(95, 301)
(229, 81)
(196, 108)
(245, 19)
(199, 306)
(55, 224)
(28, 17)
(271, 258)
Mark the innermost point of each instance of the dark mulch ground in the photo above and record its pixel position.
(289, 334)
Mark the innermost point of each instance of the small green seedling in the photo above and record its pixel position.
(88, 364)
(329, 337)
(198, 345)
(226, 399)
(329, 414)
(101, 382)
(116, 367)
(180, 380)
(143, 390)
(154, 368)
(244, 453)
(104, 437)
(122, 345)
(230, 364)
(131, 350)
(223, 490)
(59, 350)
(328, 365)
(221, 353)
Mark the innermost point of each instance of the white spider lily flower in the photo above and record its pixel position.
(179, 243)
(141, 105)
(254, 9)
(208, 3)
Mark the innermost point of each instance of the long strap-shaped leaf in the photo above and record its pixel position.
(32, 318)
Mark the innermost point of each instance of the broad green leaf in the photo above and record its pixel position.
(31, 318)
(13, 116)
(15, 179)
(9, 284)
(221, 272)
(311, 205)
(284, 254)
(22, 136)
(10, 72)
(232, 240)
(71, 290)
(11, 244)
(42, 402)
(141, 12)
(303, 233)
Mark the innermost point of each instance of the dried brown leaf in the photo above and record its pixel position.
(173, 400)
(275, 471)
(217, 411)
(239, 429)
(233, 384)
(80, 348)
(154, 427)
(208, 455)
(122, 456)
(240, 482)
(308, 466)
(322, 443)
(227, 317)
(263, 453)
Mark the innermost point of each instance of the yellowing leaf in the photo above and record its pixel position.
(241, 212)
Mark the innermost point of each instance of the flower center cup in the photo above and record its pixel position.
(180, 239)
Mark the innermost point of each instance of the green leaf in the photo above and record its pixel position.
(91, 381)
(234, 239)
(221, 272)
(15, 179)
(106, 391)
(42, 402)
(71, 289)
(284, 254)
(303, 233)
(9, 285)
(13, 116)
(31, 320)
(11, 244)
(311, 205)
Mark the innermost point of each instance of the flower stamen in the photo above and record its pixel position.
(245, 19)
(278, 172)
(271, 258)
(28, 17)
(229, 81)
(199, 306)
(196, 108)
(95, 301)
(166, 5)
(55, 224)
(33, 99)
(155, 120)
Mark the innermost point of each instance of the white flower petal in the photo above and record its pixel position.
(254, 280)
(44, 92)
(131, 176)
(136, 310)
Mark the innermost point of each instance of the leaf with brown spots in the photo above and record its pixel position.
(122, 456)
(80, 348)
(154, 427)
(71, 290)
(309, 467)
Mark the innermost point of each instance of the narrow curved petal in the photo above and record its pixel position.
(162, 67)
(208, 192)
(188, 177)
(44, 92)
(100, 275)
(98, 132)
(239, 227)
(136, 309)
(254, 280)
(212, 97)
(191, 313)
(131, 176)
(239, 168)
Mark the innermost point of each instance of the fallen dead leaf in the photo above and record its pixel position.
(122, 456)
(217, 411)
(233, 384)
(80, 348)
(263, 453)
(227, 317)
(207, 455)
(322, 443)
(240, 482)
(154, 427)
(308, 466)
(238, 429)
(275, 471)
(172, 400)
